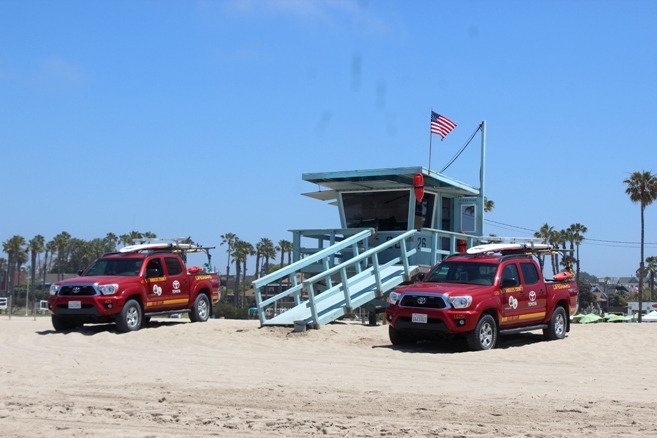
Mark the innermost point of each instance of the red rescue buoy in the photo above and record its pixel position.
(418, 185)
(562, 276)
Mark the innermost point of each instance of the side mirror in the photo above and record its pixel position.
(80, 272)
(420, 276)
(509, 282)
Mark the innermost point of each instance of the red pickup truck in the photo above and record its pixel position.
(480, 297)
(130, 287)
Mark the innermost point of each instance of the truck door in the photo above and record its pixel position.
(155, 285)
(511, 295)
(534, 297)
(177, 283)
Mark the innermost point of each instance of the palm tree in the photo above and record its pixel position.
(555, 240)
(250, 251)
(641, 188)
(285, 247)
(577, 231)
(258, 250)
(268, 251)
(543, 233)
(50, 249)
(61, 242)
(111, 240)
(36, 246)
(489, 205)
(229, 239)
(651, 267)
(13, 247)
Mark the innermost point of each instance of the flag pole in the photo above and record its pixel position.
(430, 136)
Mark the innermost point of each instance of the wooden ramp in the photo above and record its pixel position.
(333, 303)
(344, 287)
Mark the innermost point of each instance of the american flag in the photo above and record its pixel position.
(441, 125)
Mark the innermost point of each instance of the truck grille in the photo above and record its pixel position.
(422, 301)
(77, 291)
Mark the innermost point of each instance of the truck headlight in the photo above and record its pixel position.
(393, 297)
(461, 302)
(54, 288)
(108, 289)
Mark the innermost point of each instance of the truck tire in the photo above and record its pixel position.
(398, 337)
(61, 323)
(484, 336)
(201, 309)
(557, 326)
(130, 318)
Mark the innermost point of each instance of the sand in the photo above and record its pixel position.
(232, 378)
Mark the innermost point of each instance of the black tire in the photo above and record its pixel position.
(130, 318)
(484, 336)
(61, 324)
(201, 309)
(399, 337)
(557, 326)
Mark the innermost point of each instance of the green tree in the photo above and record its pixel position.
(15, 249)
(50, 249)
(641, 187)
(577, 232)
(267, 251)
(651, 267)
(35, 246)
(489, 205)
(285, 247)
(61, 243)
(229, 239)
(544, 234)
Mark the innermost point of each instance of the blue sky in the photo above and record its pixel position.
(198, 118)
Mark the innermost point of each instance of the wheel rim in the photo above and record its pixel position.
(202, 308)
(486, 335)
(132, 317)
(559, 325)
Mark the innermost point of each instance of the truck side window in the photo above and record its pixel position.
(510, 274)
(173, 265)
(529, 273)
(154, 268)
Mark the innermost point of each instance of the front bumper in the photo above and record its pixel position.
(97, 305)
(438, 320)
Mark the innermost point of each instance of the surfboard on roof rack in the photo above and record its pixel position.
(501, 247)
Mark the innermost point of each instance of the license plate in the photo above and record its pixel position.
(419, 317)
(74, 304)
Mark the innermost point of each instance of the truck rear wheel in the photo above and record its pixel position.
(557, 326)
(61, 323)
(201, 309)
(484, 336)
(399, 337)
(130, 317)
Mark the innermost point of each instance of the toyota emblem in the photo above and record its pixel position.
(76, 290)
(421, 300)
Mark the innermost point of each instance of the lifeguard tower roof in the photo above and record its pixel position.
(383, 179)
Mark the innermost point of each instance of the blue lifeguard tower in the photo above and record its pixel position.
(390, 229)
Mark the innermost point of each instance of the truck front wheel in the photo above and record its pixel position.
(201, 309)
(399, 337)
(130, 317)
(61, 323)
(484, 336)
(557, 326)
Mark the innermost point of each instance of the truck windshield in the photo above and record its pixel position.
(462, 272)
(127, 267)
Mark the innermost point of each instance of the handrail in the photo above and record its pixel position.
(293, 268)
(360, 257)
(312, 259)
(341, 268)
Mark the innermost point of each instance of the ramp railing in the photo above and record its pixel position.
(314, 301)
(293, 289)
